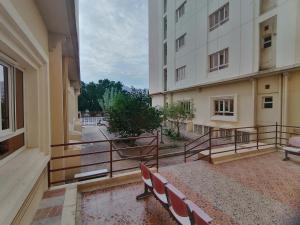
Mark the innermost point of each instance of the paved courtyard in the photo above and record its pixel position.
(50, 208)
(93, 133)
(261, 190)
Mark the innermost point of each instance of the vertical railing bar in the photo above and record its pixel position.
(276, 141)
(49, 176)
(280, 134)
(257, 137)
(111, 159)
(235, 141)
(184, 152)
(209, 142)
(157, 152)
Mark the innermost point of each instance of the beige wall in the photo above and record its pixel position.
(24, 44)
(30, 15)
(293, 115)
(201, 99)
(283, 87)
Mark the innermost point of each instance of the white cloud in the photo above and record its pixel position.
(114, 41)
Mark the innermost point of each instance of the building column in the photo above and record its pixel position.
(56, 103)
(65, 78)
(254, 102)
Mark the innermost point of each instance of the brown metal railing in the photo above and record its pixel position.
(148, 153)
(262, 136)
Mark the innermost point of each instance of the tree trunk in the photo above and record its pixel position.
(178, 129)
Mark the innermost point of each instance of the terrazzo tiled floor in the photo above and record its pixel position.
(261, 190)
(50, 208)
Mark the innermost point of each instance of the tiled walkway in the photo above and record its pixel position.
(50, 208)
(262, 190)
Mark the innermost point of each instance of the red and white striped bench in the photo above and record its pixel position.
(184, 211)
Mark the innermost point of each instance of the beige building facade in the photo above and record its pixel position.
(237, 62)
(39, 83)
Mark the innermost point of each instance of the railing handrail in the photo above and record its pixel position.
(101, 141)
(190, 151)
(141, 157)
(194, 140)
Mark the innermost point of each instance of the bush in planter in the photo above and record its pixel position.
(132, 115)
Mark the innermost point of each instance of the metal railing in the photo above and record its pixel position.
(107, 154)
(90, 120)
(259, 136)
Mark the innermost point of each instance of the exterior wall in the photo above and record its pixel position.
(202, 101)
(24, 38)
(155, 47)
(293, 92)
(158, 101)
(240, 34)
(29, 13)
(24, 44)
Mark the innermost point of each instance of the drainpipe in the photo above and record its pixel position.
(285, 102)
(254, 101)
(281, 108)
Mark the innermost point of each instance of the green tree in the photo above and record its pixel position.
(107, 100)
(177, 113)
(92, 92)
(131, 115)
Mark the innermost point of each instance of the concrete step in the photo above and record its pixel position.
(250, 151)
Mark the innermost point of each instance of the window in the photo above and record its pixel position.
(198, 129)
(187, 106)
(219, 17)
(165, 27)
(225, 133)
(218, 60)
(5, 97)
(180, 73)
(242, 137)
(206, 129)
(11, 109)
(224, 107)
(165, 53)
(268, 102)
(180, 42)
(180, 11)
(268, 41)
(165, 6)
(165, 79)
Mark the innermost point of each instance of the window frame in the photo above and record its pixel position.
(180, 42)
(165, 25)
(265, 103)
(221, 107)
(215, 60)
(180, 73)
(267, 43)
(214, 19)
(227, 113)
(11, 96)
(180, 11)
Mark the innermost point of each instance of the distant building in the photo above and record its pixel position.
(237, 62)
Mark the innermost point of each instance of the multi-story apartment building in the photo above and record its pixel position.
(236, 61)
(39, 85)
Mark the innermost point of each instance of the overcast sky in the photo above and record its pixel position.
(114, 41)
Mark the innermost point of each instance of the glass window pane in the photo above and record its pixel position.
(4, 93)
(231, 106)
